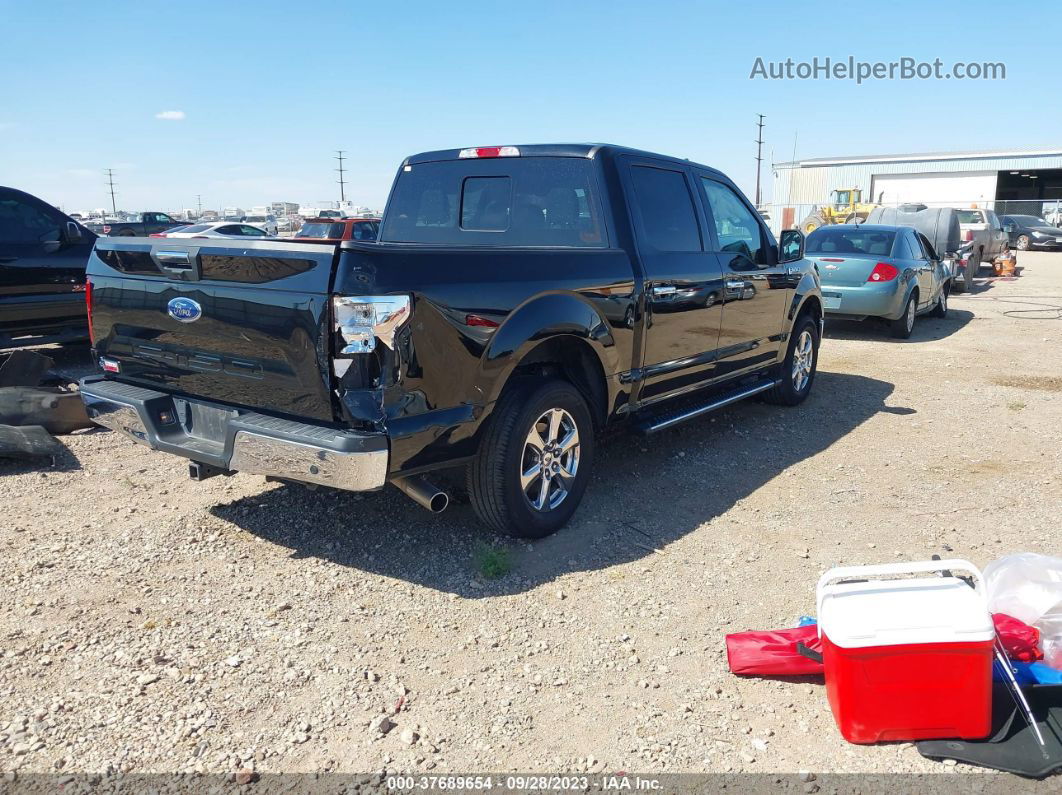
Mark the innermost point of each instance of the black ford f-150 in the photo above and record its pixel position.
(43, 254)
(519, 299)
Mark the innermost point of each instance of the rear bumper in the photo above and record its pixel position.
(239, 440)
(884, 299)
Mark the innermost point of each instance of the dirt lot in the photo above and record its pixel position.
(150, 623)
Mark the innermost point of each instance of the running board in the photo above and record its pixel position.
(662, 422)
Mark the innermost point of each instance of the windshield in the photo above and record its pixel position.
(511, 201)
(969, 217)
(330, 230)
(255, 219)
(848, 239)
(1029, 220)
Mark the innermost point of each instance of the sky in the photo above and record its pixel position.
(245, 103)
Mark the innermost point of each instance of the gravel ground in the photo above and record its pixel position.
(151, 623)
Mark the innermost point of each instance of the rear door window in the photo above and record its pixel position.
(669, 221)
(505, 201)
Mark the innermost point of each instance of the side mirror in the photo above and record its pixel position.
(1008, 228)
(73, 232)
(790, 246)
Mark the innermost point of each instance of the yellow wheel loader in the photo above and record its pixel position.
(846, 207)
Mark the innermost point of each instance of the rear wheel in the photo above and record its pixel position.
(534, 460)
(973, 265)
(800, 364)
(941, 309)
(903, 326)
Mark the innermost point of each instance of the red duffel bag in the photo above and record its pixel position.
(778, 652)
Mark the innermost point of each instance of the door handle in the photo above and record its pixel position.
(174, 257)
(665, 289)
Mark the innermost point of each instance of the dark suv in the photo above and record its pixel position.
(519, 300)
(43, 254)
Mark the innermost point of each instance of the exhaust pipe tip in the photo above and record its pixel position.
(423, 493)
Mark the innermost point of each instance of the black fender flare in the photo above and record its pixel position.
(807, 287)
(540, 319)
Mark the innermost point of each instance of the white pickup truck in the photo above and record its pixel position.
(983, 239)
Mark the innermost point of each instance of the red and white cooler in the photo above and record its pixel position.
(906, 659)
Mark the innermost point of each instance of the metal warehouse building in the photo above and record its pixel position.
(1018, 181)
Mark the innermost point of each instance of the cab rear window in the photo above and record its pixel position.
(533, 201)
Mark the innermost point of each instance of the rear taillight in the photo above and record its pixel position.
(156, 234)
(883, 272)
(362, 320)
(88, 311)
(968, 236)
(490, 151)
(106, 229)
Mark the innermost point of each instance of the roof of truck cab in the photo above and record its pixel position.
(556, 150)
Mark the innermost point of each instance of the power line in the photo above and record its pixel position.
(342, 184)
(110, 184)
(759, 155)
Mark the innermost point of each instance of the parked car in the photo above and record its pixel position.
(327, 230)
(521, 299)
(147, 224)
(267, 223)
(43, 254)
(216, 229)
(1030, 232)
(873, 270)
(169, 232)
(983, 238)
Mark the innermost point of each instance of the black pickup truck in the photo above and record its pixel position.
(43, 254)
(519, 300)
(148, 223)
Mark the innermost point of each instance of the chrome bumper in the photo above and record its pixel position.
(236, 440)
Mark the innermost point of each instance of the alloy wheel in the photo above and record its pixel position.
(803, 360)
(550, 459)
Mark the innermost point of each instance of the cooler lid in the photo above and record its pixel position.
(894, 612)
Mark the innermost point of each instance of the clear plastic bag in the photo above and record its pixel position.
(1028, 587)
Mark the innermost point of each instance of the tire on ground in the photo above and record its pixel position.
(786, 393)
(494, 474)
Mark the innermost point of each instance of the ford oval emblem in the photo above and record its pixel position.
(184, 309)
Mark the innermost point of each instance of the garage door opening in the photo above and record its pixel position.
(1032, 192)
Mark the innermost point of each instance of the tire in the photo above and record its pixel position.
(902, 327)
(973, 266)
(857, 218)
(810, 224)
(1023, 242)
(506, 453)
(941, 309)
(793, 391)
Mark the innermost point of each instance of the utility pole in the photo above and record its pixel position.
(342, 184)
(198, 206)
(110, 184)
(759, 155)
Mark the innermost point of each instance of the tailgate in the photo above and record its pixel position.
(244, 323)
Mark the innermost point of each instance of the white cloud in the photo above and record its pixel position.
(170, 115)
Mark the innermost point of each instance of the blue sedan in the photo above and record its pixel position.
(888, 272)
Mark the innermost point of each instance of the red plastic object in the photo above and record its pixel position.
(912, 692)
(773, 653)
(1021, 641)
